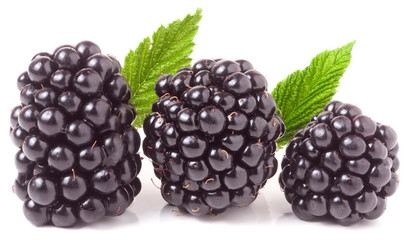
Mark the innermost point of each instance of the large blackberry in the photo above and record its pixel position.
(212, 135)
(342, 166)
(77, 155)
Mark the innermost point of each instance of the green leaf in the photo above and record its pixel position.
(167, 51)
(304, 93)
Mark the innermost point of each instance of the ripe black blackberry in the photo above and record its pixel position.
(77, 155)
(342, 166)
(212, 135)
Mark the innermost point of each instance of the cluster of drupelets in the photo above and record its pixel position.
(211, 138)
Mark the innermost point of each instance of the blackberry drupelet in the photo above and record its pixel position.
(212, 135)
(78, 152)
(341, 166)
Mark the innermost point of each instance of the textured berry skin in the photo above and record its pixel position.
(212, 135)
(341, 166)
(78, 153)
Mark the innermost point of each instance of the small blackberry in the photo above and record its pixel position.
(212, 135)
(77, 155)
(342, 166)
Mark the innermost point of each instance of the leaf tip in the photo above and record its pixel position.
(198, 14)
(349, 46)
(198, 11)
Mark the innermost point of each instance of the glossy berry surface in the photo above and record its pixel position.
(341, 166)
(78, 153)
(210, 135)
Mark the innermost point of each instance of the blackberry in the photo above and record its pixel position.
(78, 154)
(341, 166)
(211, 136)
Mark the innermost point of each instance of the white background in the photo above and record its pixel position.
(278, 38)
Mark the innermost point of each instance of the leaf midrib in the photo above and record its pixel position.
(162, 54)
(323, 74)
